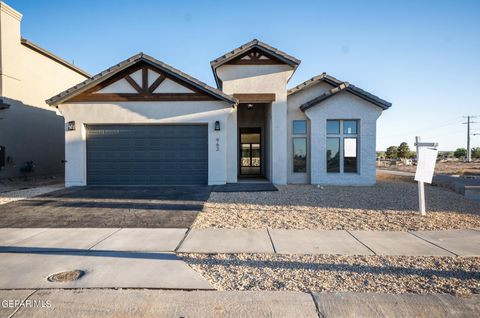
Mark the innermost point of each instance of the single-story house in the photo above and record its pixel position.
(143, 122)
(32, 133)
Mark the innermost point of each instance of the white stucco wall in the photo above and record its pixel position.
(232, 147)
(146, 113)
(343, 106)
(30, 129)
(239, 79)
(294, 102)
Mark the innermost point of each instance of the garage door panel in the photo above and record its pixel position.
(147, 154)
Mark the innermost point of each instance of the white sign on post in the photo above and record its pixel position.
(427, 157)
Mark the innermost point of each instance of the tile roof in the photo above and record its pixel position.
(100, 77)
(324, 77)
(288, 59)
(324, 96)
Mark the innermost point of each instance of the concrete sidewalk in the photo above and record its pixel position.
(338, 242)
(145, 258)
(109, 257)
(215, 240)
(157, 303)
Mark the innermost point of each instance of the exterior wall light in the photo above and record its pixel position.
(71, 125)
(250, 106)
(217, 125)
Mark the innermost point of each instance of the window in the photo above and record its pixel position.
(299, 154)
(299, 127)
(350, 127)
(299, 146)
(342, 144)
(350, 155)
(333, 154)
(333, 127)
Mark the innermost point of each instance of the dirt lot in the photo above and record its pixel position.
(446, 167)
(389, 205)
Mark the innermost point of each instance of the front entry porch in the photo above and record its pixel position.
(253, 141)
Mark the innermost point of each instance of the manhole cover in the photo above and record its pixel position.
(64, 277)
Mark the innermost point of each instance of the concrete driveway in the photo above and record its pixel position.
(112, 207)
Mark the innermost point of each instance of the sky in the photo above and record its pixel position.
(422, 56)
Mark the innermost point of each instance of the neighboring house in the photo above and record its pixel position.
(142, 122)
(31, 132)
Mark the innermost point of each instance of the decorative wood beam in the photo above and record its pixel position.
(255, 98)
(132, 82)
(144, 79)
(157, 83)
(124, 97)
(254, 59)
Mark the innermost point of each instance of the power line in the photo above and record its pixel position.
(468, 123)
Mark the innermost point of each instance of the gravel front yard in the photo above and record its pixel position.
(308, 273)
(389, 205)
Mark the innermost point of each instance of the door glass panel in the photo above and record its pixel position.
(256, 155)
(250, 153)
(250, 138)
(333, 154)
(246, 158)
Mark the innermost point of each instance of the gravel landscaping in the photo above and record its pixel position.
(389, 205)
(308, 273)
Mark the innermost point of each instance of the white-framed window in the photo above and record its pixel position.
(299, 146)
(342, 145)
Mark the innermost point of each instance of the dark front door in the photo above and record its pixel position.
(250, 152)
(147, 154)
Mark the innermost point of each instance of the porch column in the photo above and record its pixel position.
(278, 137)
(232, 146)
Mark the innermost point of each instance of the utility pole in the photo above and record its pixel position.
(469, 152)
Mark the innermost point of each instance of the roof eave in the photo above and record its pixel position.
(53, 57)
(288, 59)
(308, 83)
(335, 82)
(57, 99)
(282, 56)
(317, 100)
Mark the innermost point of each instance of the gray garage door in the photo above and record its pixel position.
(147, 154)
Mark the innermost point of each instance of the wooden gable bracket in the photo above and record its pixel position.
(255, 58)
(144, 92)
